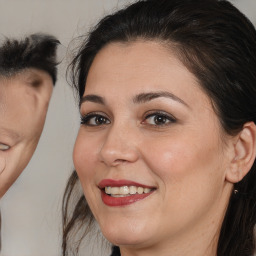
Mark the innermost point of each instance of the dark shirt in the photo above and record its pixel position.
(115, 251)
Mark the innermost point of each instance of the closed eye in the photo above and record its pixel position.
(4, 147)
(159, 119)
(94, 119)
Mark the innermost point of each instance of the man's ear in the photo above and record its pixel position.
(244, 153)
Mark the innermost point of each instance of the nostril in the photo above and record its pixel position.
(120, 160)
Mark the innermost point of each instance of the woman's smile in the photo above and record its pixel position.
(123, 192)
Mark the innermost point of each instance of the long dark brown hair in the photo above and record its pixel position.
(217, 43)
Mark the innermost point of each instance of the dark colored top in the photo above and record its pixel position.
(115, 251)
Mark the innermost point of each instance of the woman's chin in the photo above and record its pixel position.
(126, 238)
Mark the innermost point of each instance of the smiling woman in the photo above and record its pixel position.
(166, 151)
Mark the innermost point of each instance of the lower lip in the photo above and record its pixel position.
(122, 201)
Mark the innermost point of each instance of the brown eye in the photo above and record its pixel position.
(99, 120)
(94, 120)
(159, 119)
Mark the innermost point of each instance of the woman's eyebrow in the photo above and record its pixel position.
(140, 98)
(144, 97)
(92, 98)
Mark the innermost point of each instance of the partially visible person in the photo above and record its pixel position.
(165, 153)
(28, 71)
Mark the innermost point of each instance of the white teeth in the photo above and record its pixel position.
(108, 190)
(146, 190)
(115, 190)
(126, 190)
(140, 190)
(133, 190)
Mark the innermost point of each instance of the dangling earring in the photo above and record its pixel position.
(236, 191)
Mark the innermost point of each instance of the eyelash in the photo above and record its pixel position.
(87, 118)
(166, 118)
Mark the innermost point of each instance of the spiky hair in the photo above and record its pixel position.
(34, 51)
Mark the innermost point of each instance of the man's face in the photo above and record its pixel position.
(24, 100)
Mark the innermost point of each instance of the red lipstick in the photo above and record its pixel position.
(126, 199)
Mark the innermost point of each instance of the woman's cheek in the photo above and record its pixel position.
(84, 155)
(166, 155)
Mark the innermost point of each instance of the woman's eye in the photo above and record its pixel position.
(94, 120)
(159, 119)
(4, 147)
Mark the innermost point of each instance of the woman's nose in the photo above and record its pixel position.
(120, 146)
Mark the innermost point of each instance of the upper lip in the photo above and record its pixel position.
(120, 183)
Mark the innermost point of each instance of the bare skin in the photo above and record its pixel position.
(145, 119)
(24, 100)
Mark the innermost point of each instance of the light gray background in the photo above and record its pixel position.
(31, 209)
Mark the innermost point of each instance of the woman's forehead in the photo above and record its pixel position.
(139, 67)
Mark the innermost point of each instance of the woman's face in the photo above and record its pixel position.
(24, 100)
(150, 153)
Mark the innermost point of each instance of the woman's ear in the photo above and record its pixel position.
(244, 153)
